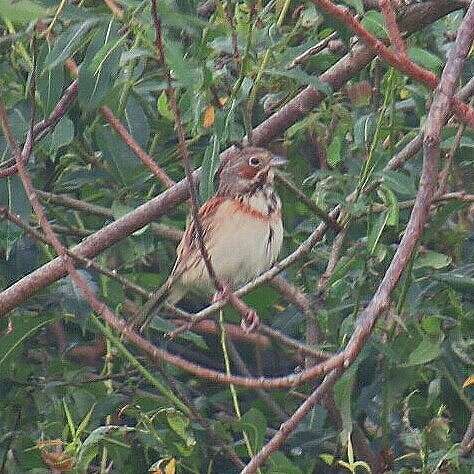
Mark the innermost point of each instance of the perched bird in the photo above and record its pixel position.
(242, 229)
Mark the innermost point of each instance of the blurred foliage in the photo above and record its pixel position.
(62, 410)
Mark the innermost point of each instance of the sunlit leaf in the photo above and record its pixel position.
(21, 11)
(468, 382)
(426, 351)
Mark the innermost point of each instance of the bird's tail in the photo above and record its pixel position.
(154, 302)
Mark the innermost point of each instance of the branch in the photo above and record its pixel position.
(403, 64)
(391, 22)
(418, 15)
(287, 428)
(436, 118)
(467, 443)
(43, 127)
(236, 302)
(301, 58)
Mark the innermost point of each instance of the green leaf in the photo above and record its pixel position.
(461, 283)
(376, 231)
(432, 259)
(334, 153)
(399, 182)
(357, 5)
(373, 22)
(344, 266)
(209, 166)
(302, 77)
(67, 43)
(22, 328)
(431, 325)
(21, 11)
(185, 71)
(390, 200)
(364, 129)
(179, 423)
(61, 135)
(425, 59)
(90, 446)
(50, 84)
(343, 395)
(162, 325)
(119, 209)
(124, 164)
(163, 107)
(280, 464)
(310, 17)
(255, 425)
(426, 351)
(100, 67)
(137, 121)
(13, 196)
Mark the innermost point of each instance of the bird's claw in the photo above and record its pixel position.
(221, 295)
(171, 335)
(250, 322)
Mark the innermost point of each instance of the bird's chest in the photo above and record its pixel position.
(247, 238)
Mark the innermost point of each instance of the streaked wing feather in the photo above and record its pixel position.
(188, 252)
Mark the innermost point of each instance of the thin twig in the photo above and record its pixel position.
(236, 302)
(321, 213)
(464, 112)
(43, 127)
(317, 48)
(393, 31)
(287, 428)
(161, 230)
(467, 443)
(417, 16)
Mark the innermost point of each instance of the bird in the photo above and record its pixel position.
(242, 230)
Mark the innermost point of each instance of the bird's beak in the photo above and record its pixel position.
(277, 161)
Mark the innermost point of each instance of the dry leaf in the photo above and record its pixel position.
(209, 116)
(468, 382)
(171, 467)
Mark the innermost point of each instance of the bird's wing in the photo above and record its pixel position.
(188, 251)
(188, 256)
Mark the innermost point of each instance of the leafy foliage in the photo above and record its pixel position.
(65, 407)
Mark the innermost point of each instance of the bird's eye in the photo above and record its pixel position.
(254, 161)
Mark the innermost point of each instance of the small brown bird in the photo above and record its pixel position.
(242, 227)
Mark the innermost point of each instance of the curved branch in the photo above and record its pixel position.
(463, 111)
(297, 108)
(287, 428)
(437, 115)
(439, 111)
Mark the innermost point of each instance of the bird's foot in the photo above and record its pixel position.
(250, 322)
(222, 295)
(171, 335)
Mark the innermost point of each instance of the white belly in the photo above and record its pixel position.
(241, 247)
(244, 247)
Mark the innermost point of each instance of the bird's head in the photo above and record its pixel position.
(248, 169)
